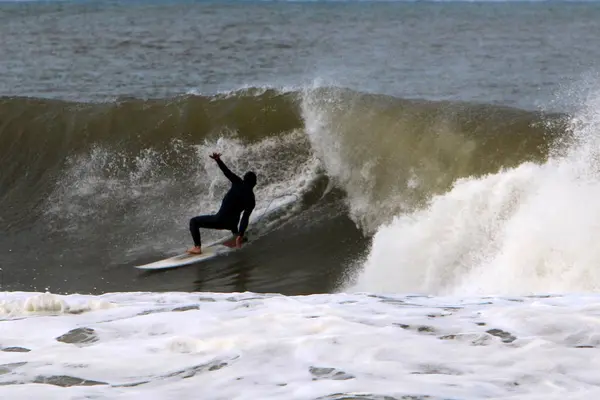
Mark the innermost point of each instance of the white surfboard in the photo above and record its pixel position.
(187, 259)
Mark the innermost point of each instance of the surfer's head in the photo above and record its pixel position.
(250, 178)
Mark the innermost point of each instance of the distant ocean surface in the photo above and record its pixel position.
(427, 218)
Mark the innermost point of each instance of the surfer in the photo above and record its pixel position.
(239, 198)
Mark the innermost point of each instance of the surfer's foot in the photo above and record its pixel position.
(195, 250)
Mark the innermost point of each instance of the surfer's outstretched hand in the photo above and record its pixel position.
(238, 242)
(215, 156)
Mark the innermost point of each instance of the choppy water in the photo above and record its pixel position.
(437, 170)
(501, 52)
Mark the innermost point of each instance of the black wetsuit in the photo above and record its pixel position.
(239, 198)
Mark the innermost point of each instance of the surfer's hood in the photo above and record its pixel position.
(250, 179)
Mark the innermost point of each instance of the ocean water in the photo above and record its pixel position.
(426, 220)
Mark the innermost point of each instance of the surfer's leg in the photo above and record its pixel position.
(203, 221)
(234, 233)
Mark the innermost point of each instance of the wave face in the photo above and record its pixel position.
(126, 176)
(76, 152)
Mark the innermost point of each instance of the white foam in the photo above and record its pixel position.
(47, 303)
(529, 229)
(249, 346)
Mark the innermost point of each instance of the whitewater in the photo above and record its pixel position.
(337, 346)
(528, 229)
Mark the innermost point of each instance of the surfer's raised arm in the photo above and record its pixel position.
(226, 171)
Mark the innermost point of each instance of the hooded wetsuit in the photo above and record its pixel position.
(239, 198)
